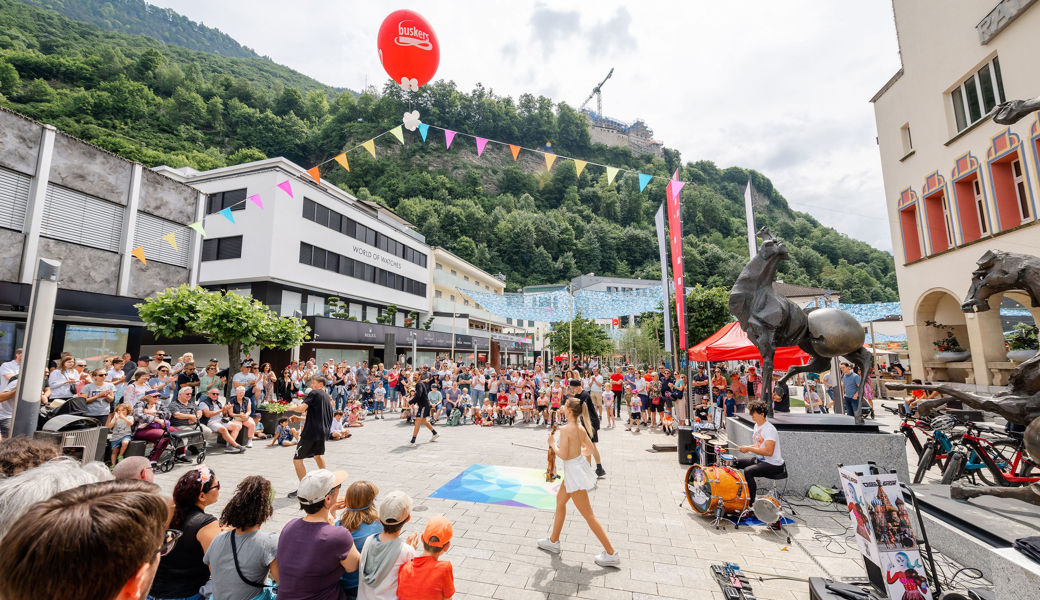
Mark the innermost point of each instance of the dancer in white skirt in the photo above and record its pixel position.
(578, 479)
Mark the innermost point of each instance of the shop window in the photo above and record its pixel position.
(971, 206)
(940, 227)
(1011, 195)
(911, 241)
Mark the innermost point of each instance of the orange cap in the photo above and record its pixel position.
(437, 532)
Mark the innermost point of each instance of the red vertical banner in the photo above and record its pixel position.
(675, 243)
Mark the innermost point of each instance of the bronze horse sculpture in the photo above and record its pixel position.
(996, 272)
(772, 321)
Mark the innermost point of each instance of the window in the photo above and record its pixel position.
(1020, 190)
(226, 248)
(976, 96)
(904, 135)
(940, 230)
(465, 302)
(465, 277)
(1010, 191)
(911, 240)
(233, 199)
(330, 261)
(453, 297)
(509, 320)
(453, 273)
(437, 294)
(530, 323)
(439, 267)
(980, 205)
(326, 217)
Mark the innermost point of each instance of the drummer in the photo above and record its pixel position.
(767, 461)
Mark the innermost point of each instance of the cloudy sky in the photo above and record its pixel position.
(780, 87)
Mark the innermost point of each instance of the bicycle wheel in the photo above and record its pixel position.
(1001, 453)
(927, 459)
(955, 468)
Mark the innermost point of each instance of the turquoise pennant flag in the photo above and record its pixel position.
(643, 180)
(227, 214)
(423, 128)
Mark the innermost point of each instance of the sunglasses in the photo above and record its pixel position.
(169, 541)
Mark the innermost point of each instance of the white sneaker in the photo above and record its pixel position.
(608, 560)
(249, 444)
(435, 436)
(550, 546)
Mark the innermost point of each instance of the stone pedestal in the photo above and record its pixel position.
(814, 445)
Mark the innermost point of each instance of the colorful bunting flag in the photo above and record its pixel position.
(255, 198)
(227, 214)
(171, 239)
(398, 133)
(643, 180)
(342, 160)
(550, 158)
(286, 187)
(423, 128)
(676, 185)
(197, 226)
(579, 165)
(515, 150)
(449, 135)
(611, 174)
(315, 174)
(481, 142)
(138, 253)
(370, 145)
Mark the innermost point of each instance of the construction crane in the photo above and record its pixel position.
(599, 97)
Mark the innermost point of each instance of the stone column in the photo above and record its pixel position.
(986, 342)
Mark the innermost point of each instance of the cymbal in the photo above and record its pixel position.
(702, 436)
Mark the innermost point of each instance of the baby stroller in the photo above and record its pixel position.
(456, 415)
(192, 440)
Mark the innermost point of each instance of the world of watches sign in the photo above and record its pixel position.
(377, 257)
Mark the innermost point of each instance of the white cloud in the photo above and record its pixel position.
(780, 87)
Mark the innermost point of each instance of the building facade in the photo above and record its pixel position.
(956, 183)
(64, 199)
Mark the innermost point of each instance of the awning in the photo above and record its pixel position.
(731, 343)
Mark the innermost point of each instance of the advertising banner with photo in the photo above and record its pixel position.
(675, 240)
(663, 249)
(884, 532)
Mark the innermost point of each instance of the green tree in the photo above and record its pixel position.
(9, 79)
(589, 339)
(225, 318)
(290, 101)
(707, 310)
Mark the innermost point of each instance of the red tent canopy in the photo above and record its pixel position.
(731, 343)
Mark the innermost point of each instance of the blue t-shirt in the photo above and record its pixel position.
(350, 580)
(850, 383)
(731, 406)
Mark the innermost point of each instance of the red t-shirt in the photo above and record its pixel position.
(425, 578)
(616, 380)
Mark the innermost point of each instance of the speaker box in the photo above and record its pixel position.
(687, 445)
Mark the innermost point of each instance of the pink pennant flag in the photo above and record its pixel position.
(676, 185)
(481, 142)
(449, 135)
(257, 201)
(286, 187)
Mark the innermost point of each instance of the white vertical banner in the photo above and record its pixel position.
(662, 247)
(752, 241)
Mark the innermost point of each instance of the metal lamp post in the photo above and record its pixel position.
(26, 409)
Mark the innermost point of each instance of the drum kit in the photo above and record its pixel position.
(716, 488)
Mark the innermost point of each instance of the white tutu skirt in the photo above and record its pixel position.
(578, 475)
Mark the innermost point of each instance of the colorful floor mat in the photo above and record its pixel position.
(508, 486)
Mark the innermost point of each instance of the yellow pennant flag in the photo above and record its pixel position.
(579, 165)
(550, 158)
(398, 133)
(138, 252)
(515, 150)
(611, 174)
(171, 239)
(370, 145)
(342, 160)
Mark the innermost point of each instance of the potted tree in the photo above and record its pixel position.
(1022, 342)
(270, 412)
(949, 349)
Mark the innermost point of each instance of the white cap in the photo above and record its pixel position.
(395, 508)
(317, 484)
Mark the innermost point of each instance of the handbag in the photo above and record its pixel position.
(267, 592)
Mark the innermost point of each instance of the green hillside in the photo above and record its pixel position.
(163, 104)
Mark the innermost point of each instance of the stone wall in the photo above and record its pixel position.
(82, 268)
(146, 280)
(10, 254)
(80, 166)
(162, 197)
(19, 142)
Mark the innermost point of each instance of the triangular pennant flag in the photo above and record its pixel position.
(423, 128)
(286, 187)
(550, 158)
(449, 135)
(643, 180)
(227, 214)
(481, 142)
(515, 150)
(611, 174)
(197, 226)
(398, 133)
(315, 174)
(342, 160)
(579, 165)
(370, 145)
(255, 198)
(171, 239)
(676, 184)
(138, 252)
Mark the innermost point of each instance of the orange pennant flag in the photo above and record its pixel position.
(315, 173)
(515, 150)
(550, 158)
(342, 160)
(138, 252)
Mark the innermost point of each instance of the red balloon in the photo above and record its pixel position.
(408, 47)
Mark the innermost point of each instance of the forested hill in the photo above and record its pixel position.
(163, 104)
(137, 16)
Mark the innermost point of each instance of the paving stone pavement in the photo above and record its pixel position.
(666, 549)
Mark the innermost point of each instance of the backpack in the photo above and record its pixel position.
(455, 416)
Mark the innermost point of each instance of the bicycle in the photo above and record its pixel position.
(1000, 462)
(935, 450)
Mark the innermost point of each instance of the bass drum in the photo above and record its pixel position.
(707, 488)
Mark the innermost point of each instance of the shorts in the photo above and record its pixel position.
(309, 448)
(422, 411)
(542, 407)
(597, 398)
(595, 436)
(636, 416)
(655, 408)
(380, 405)
(112, 445)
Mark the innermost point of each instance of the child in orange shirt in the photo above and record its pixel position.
(425, 577)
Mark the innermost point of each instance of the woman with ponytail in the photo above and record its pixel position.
(182, 573)
(578, 479)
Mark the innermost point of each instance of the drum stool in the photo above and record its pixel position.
(778, 494)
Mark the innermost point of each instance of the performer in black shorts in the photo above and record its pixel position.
(316, 428)
(422, 406)
(575, 390)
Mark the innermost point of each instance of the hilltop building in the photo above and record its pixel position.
(958, 184)
(612, 132)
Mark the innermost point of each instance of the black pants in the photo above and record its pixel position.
(757, 468)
